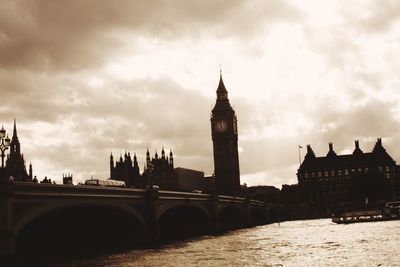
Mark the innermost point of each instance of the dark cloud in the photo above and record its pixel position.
(73, 35)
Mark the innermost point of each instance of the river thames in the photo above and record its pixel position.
(294, 243)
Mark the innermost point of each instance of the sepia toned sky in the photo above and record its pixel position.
(86, 78)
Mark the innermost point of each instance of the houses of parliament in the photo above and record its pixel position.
(158, 170)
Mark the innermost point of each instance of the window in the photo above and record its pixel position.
(319, 174)
(366, 169)
(346, 172)
(313, 174)
(388, 175)
(380, 168)
(387, 168)
(326, 173)
(306, 175)
(339, 172)
(332, 173)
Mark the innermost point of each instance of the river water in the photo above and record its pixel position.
(295, 243)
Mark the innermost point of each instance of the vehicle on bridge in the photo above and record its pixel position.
(108, 182)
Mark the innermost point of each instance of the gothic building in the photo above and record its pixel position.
(15, 163)
(158, 171)
(225, 144)
(359, 177)
(125, 169)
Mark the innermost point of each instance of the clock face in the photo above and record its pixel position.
(221, 126)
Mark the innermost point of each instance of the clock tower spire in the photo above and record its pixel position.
(225, 144)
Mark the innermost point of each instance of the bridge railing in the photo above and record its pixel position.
(54, 190)
(162, 194)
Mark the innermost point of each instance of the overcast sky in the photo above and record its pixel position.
(86, 78)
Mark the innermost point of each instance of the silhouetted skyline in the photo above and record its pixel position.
(87, 79)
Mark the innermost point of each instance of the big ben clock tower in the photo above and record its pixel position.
(225, 143)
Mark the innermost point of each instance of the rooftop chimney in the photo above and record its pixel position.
(331, 152)
(357, 150)
(310, 152)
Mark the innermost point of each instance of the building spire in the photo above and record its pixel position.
(15, 128)
(30, 171)
(222, 93)
(135, 162)
(222, 102)
(171, 158)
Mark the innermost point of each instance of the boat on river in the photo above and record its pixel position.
(358, 216)
(391, 211)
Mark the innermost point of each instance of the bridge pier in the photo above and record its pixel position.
(7, 240)
(7, 244)
(153, 236)
(216, 222)
(248, 219)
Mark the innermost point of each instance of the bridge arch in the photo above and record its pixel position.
(182, 220)
(99, 225)
(232, 217)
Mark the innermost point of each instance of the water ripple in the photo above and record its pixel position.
(296, 243)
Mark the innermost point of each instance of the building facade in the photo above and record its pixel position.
(224, 133)
(15, 163)
(359, 177)
(189, 180)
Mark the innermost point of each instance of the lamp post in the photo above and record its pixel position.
(4, 145)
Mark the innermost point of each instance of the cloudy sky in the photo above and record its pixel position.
(86, 78)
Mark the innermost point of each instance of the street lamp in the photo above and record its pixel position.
(4, 144)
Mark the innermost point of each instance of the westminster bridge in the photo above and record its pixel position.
(59, 218)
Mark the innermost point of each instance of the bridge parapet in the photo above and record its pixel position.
(54, 190)
(174, 195)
